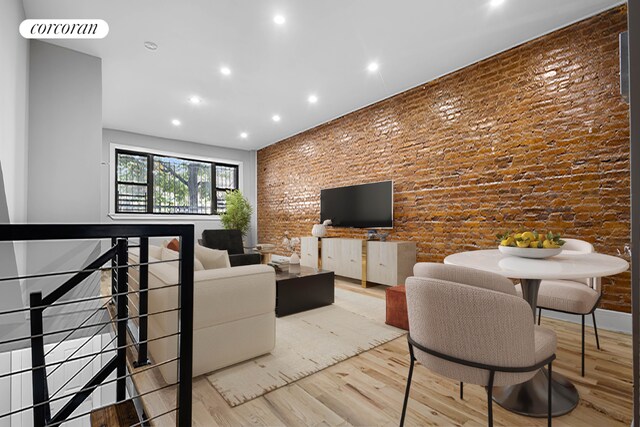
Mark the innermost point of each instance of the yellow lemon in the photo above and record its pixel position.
(534, 244)
(528, 235)
(522, 243)
(547, 244)
(504, 242)
(517, 236)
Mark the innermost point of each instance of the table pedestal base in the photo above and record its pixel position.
(530, 398)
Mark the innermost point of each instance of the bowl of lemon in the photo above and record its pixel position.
(530, 244)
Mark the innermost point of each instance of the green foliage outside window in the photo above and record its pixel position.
(156, 184)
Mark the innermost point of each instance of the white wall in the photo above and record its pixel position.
(14, 68)
(65, 135)
(65, 140)
(248, 159)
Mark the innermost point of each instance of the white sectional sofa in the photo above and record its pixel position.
(234, 311)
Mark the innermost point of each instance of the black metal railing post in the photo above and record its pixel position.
(123, 317)
(114, 273)
(187, 249)
(117, 257)
(41, 411)
(143, 302)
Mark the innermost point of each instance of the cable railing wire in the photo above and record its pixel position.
(81, 300)
(70, 272)
(60, 331)
(138, 371)
(79, 370)
(81, 324)
(107, 382)
(122, 318)
(89, 412)
(84, 356)
(88, 340)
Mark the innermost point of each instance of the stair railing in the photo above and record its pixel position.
(117, 259)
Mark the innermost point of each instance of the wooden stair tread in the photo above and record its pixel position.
(116, 415)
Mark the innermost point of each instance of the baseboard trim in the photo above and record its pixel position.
(607, 319)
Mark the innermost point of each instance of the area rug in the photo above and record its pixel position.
(308, 342)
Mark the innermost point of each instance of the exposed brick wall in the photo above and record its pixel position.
(537, 137)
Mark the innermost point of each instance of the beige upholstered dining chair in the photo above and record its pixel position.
(578, 296)
(470, 326)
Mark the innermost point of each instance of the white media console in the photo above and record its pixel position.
(387, 263)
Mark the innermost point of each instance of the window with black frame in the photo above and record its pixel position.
(148, 183)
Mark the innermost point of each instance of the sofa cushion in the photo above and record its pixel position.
(154, 251)
(212, 258)
(220, 295)
(170, 255)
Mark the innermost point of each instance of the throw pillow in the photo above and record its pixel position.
(169, 255)
(212, 258)
(174, 245)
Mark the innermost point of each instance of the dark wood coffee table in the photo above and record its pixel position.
(303, 288)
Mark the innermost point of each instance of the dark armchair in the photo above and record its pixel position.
(230, 241)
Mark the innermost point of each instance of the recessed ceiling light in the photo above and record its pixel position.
(244, 135)
(195, 100)
(176, 122)
(279, 19)
(373, 67)
(312, 99)
(496, 3)
(226, 71)
(275, 118)
(150, 45)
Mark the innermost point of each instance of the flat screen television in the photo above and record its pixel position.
(358, 206)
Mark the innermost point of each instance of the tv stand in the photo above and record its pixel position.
(370, 261)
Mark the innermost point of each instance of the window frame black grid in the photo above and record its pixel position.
(149, 185)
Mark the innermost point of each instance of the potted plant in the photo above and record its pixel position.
(237, 216)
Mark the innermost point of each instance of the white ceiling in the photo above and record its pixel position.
(323, 48)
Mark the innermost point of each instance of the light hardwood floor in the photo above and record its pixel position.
(368, 389)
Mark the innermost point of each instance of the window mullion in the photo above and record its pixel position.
(214, 194)
(117, 187)
(150, 183)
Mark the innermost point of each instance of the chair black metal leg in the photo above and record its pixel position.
(539, 315)
(595, 329)
(583, 345)
(490, 397)
(406, 393)
(549, 397)
(461, 390)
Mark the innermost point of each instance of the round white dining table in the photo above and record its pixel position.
(530, 398)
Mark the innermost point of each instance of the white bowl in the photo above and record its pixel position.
(529, 252)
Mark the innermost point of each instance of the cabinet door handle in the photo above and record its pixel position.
(329, 257)
(381, 264)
